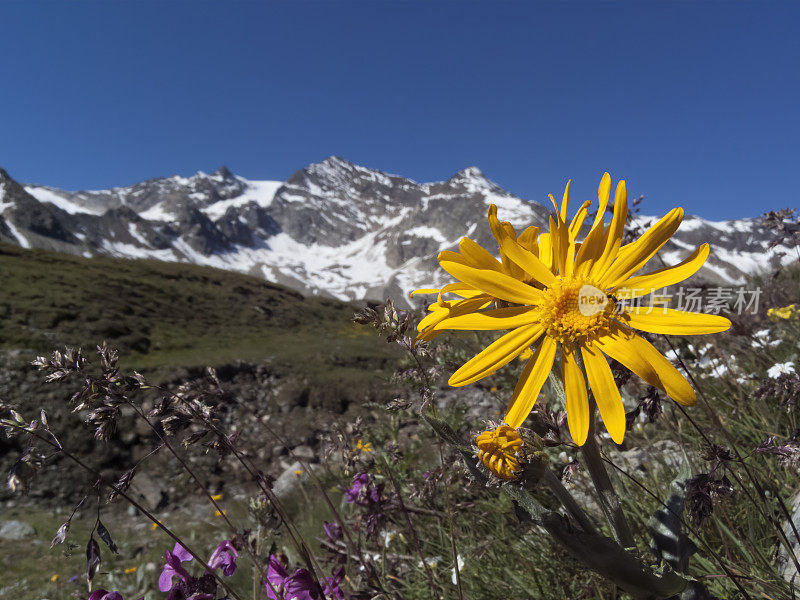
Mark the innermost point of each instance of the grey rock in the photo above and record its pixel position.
(16, 530)
(661, 454)
(149, 491)
(305, 453)
(290, 480)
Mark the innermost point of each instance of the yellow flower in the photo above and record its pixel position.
(364, 447)
(551, 291)
(298, 472)
(54, 578)
(130, 570)
(219, 513)
(154, 526)
(498, 449)
(216, 497)
(785, 312)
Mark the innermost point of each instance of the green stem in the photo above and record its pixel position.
(568, 502)
(609, 501)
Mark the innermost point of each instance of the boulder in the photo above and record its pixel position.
(16, 530)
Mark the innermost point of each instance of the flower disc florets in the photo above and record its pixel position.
(576, 311)
(499, 450)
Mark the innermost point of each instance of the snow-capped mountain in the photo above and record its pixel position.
(332, 228)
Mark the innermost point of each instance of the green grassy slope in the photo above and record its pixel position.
(162, 315)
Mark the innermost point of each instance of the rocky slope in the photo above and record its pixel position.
(333, 228)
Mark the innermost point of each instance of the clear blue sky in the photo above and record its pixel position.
(694, 103)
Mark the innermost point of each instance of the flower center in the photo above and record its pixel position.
(576, 311)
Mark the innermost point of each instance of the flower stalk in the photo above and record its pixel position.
(609, 500)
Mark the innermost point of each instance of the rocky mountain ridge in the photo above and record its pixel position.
(333, 228)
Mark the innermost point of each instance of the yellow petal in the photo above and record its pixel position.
(424, 291)
(546, 251)
(511, 248)
(555, 204)
(495, 355)
(605, 391)
(531, 382)
(577, 221)
(562, 216)
(499, 318)
(613, 238)
(458, 288)
(590, 251)
(477, 256)
(560, 239)
(528, 239)
(641, 285)
(494, 283)
(644, 248)
(642, 358)
(511, 268)
(674, 322)
(577, 400)
(439, 312)
(603, 193)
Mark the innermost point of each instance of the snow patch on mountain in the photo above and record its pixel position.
(260, 192)
(59, 199)
(23, 241)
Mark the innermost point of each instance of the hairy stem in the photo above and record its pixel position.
(609, 501)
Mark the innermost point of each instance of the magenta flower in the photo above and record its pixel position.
(300, 585)
(276, 575)
(188, 587)
(104, 595)
(173, 568)
(332, 531)
(224, 556)
(363, 492)
(330, 585)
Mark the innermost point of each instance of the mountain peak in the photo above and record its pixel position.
(473, 179)
(469, 173)
(336, 161)
(222, 173)
(4, 176)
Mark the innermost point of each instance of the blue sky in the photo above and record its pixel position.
(694, 103)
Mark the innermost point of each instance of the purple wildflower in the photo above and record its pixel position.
(363, 492)
(224, 556)
(276, 575)
(104, 595)
(300, 585)
(330, 585)
(173, 567)
(332, 531)
(367, 494)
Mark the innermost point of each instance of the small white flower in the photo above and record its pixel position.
(779, 369)
(460, 562)
(431, 562)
